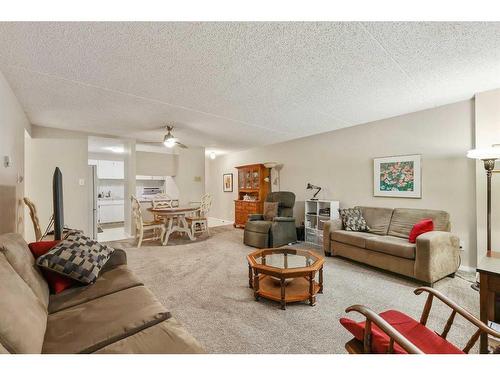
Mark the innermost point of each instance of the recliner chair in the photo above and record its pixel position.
(281, 231)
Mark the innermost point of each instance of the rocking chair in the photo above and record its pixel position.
(393, 332)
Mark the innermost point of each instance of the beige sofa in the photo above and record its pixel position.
(435, 254)
(116, 314)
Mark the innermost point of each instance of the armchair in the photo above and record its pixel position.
(278, 232)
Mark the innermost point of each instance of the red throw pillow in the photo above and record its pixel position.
(423, 226)
(57, 282)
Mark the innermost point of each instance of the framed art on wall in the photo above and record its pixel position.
(227, 182)
(397, 176)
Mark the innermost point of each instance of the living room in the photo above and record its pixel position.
(250, 188)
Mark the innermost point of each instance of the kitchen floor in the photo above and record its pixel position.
(112, 234)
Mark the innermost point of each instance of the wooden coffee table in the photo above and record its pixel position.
(285, 275)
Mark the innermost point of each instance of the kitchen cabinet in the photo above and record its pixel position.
(110, 169)
(111, 211)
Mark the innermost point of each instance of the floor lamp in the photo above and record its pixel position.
(488, 156)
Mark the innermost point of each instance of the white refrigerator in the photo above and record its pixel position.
(92, 190)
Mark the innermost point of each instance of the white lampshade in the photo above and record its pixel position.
(484, 153)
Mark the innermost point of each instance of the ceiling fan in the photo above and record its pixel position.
(169, 140)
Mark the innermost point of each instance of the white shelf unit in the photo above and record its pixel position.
(315, 218)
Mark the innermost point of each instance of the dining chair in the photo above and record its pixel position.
(199, 221)
(34, 218)
(160, 201)
(155, 228)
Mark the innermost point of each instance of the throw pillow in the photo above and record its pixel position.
(270, 210)
(77, 257)
(423, 226)
(57, 283)
(353, 220)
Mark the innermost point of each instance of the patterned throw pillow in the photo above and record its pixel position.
(270, 210)
(353, 220)
(77, 257)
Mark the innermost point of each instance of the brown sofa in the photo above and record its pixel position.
(116, 314)
(435, 254)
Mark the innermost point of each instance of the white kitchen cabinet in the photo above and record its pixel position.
(111, 211)
(110, 169)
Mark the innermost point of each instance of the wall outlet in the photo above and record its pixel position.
(81, 182)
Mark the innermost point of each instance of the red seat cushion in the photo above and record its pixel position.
(422, 337)
(423, 226)
(57, 282)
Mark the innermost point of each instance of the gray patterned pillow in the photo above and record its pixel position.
(77, 257)
(353, 220)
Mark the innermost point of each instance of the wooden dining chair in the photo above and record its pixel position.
(155, 228)
(199, 221)
(160, 201)
(34, 218)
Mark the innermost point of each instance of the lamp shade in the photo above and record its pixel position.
(484, 153)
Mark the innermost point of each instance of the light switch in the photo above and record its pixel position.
(81, 181)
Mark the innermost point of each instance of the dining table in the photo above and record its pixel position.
(174, 219)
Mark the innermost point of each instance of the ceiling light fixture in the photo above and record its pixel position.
(212, 155)
(170, 142)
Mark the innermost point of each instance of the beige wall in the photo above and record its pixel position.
(190, 177)
(13, 122)
(341, 162)
(487, 133)
(156, 164)
(51, 148)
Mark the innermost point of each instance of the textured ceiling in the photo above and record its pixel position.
(232, 86)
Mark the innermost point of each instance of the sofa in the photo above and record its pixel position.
(116, 314)
(280, 231)
(435, 254)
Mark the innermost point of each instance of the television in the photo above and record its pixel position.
(57, 197)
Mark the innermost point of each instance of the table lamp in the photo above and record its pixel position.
(310, 187)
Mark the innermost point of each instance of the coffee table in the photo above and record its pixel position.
(285, 275)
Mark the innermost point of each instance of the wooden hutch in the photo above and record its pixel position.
(252, 191)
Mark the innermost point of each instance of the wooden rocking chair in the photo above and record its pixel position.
(393, 332)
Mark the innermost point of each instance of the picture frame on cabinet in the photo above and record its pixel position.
(227, 182)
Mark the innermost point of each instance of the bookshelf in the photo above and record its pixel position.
(316, 213)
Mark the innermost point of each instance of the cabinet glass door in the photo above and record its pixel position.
(248, 178)
(241, 179)
(255, 178)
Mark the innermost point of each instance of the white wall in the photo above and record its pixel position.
(13, 122)
(156, 164)
(487, 133)
(51, 148)
(341, 162)
(190, 177)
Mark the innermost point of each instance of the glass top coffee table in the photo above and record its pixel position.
(285, 275)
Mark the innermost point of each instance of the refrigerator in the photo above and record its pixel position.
(92, 191)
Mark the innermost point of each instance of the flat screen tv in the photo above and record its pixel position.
(57, 196)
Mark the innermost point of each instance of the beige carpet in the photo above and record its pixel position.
(205, 285)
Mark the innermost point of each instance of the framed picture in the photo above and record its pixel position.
(397, 176)
(227, 182)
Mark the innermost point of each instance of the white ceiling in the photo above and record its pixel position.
(231, 86)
